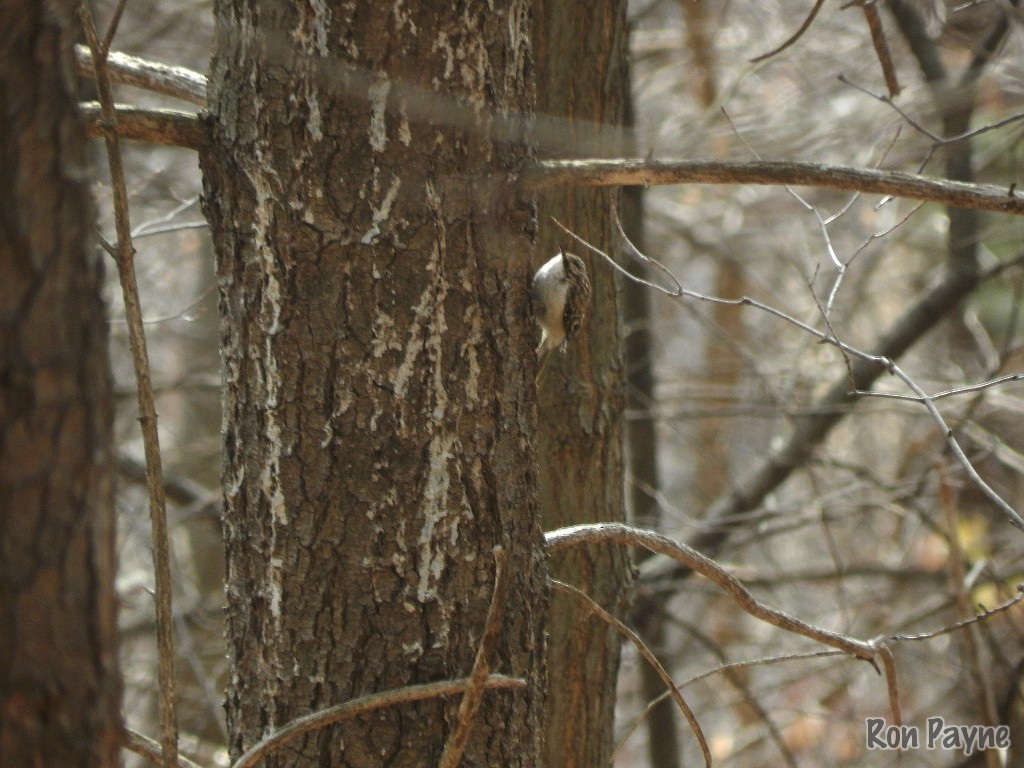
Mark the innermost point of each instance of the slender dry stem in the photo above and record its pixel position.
(641, 646)
(470, 704)
(147, 408)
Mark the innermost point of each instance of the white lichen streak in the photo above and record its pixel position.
(404, 131)
(403, 17)
(473, 339)
(265, 361)
(436, 517)
(440, 513)
(314, 125)
(379, 214)
(443, 44)
(378, 97)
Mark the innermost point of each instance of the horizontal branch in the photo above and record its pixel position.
(610, 173)
(179, 82)
(168, 127)
(181, 129)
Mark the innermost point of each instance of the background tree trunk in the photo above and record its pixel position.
(374, 263)
(581, 97)
(59, 682)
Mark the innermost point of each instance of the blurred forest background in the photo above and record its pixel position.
(878, 532)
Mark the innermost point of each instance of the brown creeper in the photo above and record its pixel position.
(561, 293)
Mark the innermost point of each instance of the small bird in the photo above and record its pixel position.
(561, 293)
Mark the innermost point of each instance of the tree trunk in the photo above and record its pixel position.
(374, 263)
(581, 98)
(59, 683)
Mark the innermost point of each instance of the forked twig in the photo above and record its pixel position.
(600, 533)
(324, 717)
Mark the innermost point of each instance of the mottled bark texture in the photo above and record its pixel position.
(374, 264)
(59, 683)
(582, 87)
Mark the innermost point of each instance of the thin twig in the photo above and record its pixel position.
(671, 688)
(878, 40)
(470, 704)
(888, 661)
(721, 669)
(115, 21)
(794, 37)
(324, 717)
(882, 361)
(891, 683)
(971, 639)
(936, 139)
(674, 292)
(954, 446)
(147, 408)
(983, 614)
(947, 392)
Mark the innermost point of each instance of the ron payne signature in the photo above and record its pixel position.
(937, 735)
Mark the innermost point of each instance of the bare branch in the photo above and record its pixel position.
(457, 740)
(983, 614)
(115, 22)
(891, 683)
(795, 36)
(641, 646)
(948, 392)
(881, 47)
(178, 82)
(610, 173)
(362, 705)
(722, 669)
(954, 446)
(167, 127)
(600, 533)
(147, 409)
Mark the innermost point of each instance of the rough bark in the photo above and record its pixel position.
(581, 94)
(59, 682)
(373, 261)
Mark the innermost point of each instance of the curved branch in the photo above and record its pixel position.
(608, 173)
(362, 705)
(794, 37)
(601, 533)
(178, 82)
(671, 688)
